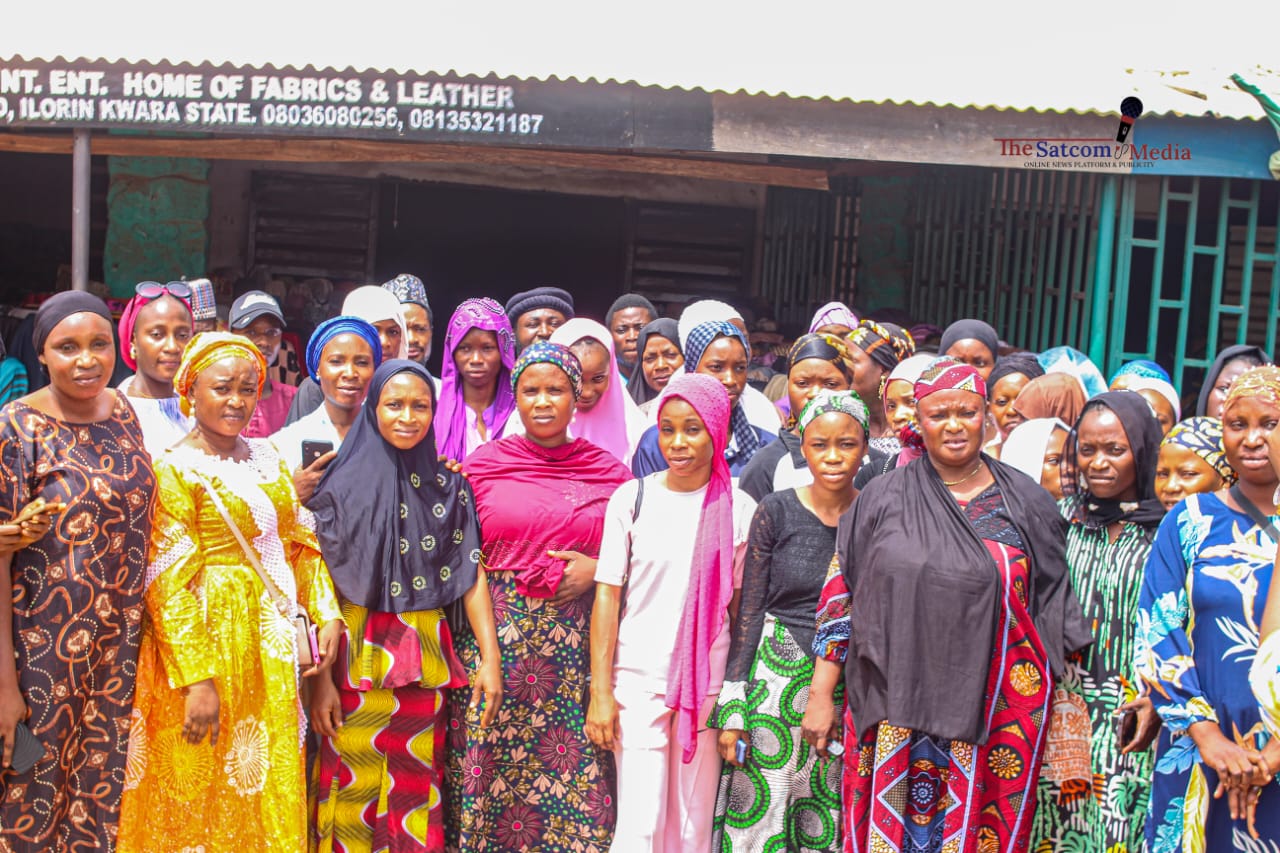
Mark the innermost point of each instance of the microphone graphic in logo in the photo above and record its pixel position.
(1130, 109)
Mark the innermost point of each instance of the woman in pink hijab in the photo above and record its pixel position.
(678, 535)
(605, 414)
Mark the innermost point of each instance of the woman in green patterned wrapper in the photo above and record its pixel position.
(781, 795)
(1094, 788)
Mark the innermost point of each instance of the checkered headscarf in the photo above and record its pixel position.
(203, 305)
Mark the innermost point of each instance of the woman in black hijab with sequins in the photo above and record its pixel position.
(400, 558)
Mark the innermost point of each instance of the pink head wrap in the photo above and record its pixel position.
(706, 603)
(605, 424)
(129, 318)
(943, 373)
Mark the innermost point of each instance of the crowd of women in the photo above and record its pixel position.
(591, 589)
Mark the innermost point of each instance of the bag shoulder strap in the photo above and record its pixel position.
(635, 510)
(1254, 513)
(283, 604)
(635, 513)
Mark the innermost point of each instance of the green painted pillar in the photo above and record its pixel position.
(1100, 309)
(157, 208)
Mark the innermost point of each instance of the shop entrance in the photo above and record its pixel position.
(468, 241)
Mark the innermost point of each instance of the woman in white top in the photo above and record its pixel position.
(675, 543)
(154, 329)
(341, 356)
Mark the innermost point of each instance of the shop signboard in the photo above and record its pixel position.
(374, 105)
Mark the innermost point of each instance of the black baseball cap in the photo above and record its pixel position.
(251, 305)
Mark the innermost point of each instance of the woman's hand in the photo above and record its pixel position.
(819, 727)
(487, 687)
(306, 479)
(17, 535)
(1246, 803)
(453, 465)
(602, 719)
(728, 744)
(327, 639)
(202, 712)
(579, 576)
(326, 707)
(13, 710)
(1234, 764)
(1148, 725)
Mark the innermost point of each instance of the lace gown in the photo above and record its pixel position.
(210, 616)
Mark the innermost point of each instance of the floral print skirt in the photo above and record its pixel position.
(531, 781)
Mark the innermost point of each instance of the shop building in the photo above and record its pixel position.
(303, 180)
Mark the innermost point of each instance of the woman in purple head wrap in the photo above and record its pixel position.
(475, 390)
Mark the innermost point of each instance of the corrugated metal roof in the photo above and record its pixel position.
(987, 55)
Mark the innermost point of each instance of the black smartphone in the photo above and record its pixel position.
(27, 750)
(1126, 728)
(313, 450)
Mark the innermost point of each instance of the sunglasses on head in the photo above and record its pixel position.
(154, 289)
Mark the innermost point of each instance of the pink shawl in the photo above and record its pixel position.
(711, 576)
(613, 423)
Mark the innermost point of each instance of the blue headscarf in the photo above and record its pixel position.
(341, 325)
(702, 336)
(1142, 367)
(545, 352)
(1077, 364)
(745, 438)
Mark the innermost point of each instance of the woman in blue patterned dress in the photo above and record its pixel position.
(1198, 629)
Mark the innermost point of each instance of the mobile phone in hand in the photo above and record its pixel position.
(313, 450)
(740, 750)
(1126, 727)
(27, 749)
(37, 507)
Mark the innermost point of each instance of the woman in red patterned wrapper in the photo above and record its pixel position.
(964, 615)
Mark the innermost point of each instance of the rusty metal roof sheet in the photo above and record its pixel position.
(981, 54)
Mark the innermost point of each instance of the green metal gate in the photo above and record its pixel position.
(1171, 269)
(1013, 247)
(1196, 269)
(810, 250)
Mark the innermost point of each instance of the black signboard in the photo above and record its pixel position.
(248, 101)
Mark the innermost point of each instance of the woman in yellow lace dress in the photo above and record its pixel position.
(218, 657)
